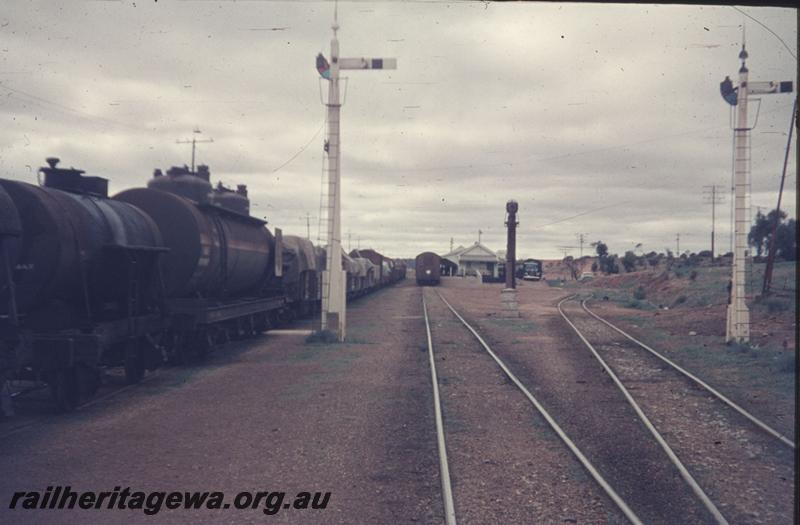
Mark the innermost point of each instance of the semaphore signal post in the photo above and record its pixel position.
(738, 320)
(334, 280)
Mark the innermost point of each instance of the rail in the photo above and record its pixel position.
(618, 501)
(687, 477)
(697, 380)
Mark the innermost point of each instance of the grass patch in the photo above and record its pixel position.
(786, 363)
(775, 305)
(638, 305)
(326, 337)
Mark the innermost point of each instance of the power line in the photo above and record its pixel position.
(587, 212)
(768, 29)
(301, 149)
(533, 158)
(76, 112)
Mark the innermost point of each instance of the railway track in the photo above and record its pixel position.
(757, 422)
(447, 491)
(731, 453)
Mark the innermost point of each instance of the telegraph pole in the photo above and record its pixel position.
(193, 142)
(308, 226)
(678, 245)
(566, 249)
(334, 299)
(771, 251)
(581, 241)
(711, 196)
(738, 319)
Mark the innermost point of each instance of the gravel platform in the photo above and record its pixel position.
(269, 414)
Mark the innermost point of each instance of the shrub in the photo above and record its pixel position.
(777, 305)
(693, 275)
(681, 299)
(786, 363)
(629, 261)
(639, 293)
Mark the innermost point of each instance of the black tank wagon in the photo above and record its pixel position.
(428, 267)
(83, 290)
(164, 271)
(221, 269)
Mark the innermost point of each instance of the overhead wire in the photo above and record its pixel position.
(80, 114)
(757, 21)
(307, 144)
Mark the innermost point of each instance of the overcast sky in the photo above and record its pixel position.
(599, 119)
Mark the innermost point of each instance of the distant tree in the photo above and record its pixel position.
(786, 240)
(572, 266)
(652, 259)
(670, 259)
(601, 247)
(629, 261)
(608, 264)
(761, 231)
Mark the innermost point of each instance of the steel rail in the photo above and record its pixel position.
(699, 381)
(561, 434)
(687, 477)
(447, 491)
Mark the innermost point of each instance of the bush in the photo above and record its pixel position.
(639, 293)
(693, 275)
(786, 363)
(681, 299)
(777, 305)
(629, 261)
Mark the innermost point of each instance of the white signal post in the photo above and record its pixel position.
(738, 321)
(334, 278)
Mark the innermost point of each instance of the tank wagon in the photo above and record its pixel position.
(88, 281)
(79, 286)
(428, 267)
(220, 274)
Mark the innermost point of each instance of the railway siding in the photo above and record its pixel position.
(573, 388)
(506, 464)
(746, 471)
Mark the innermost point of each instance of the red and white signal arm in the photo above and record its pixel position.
(764, 88)
(367, 63)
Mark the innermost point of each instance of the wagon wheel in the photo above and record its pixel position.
(64, 389)
(203, 343)
(88, 380)
(134, 362)
(179, 351)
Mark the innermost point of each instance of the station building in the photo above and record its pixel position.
(474, 258)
